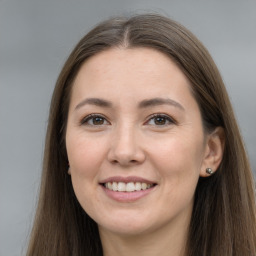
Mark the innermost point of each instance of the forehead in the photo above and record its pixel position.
(130, 69)
(139, 60)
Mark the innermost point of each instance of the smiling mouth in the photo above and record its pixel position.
(127, 187)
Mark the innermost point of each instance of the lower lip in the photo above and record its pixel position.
(127, 196)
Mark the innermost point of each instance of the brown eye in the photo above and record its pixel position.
(98, 120)
(160, 120)
(94, 120)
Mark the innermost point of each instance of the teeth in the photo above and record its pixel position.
(138, 186)
(121, 186)
(109, 185)
(127, 187)
(130, 187)
(114, 186)
(144, 186)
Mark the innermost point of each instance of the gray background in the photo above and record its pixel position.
(37, 36)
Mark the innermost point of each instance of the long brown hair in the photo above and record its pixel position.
(223, 218)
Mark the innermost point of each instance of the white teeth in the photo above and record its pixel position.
(144, 186)
(127, 187)
(114, 186)
(130, 187)
(138, 186)
(109, 185)
(121, 186)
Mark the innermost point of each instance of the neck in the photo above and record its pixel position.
(164, 241)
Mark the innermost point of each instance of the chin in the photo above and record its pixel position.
(127, 225)
(127, 230)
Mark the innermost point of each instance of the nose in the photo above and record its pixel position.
(125, 147)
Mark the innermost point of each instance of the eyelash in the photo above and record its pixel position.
(85, 121)
(166, 117)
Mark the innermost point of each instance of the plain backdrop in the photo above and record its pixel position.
(36, 37)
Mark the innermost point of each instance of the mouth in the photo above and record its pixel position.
(127, 189)
(127, 186)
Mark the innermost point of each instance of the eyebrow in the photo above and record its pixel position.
(143, 104)
(160, 101)
(94, 101)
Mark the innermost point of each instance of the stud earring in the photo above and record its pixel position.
(209, 171)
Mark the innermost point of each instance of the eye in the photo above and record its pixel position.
(94, 120)
(160, 120)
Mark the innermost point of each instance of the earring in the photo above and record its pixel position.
(209, 171)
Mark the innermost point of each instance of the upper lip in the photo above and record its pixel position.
(127, 179)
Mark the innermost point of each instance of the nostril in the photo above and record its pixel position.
(124, 161)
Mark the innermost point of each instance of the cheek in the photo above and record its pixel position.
(178, 156)
(85, 157)
(178, 162)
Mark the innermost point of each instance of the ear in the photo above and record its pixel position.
(214, 149)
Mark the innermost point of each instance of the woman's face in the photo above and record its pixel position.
(135, 141)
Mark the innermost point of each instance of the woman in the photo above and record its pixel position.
(143, 155)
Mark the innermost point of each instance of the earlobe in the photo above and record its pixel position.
(214, 150)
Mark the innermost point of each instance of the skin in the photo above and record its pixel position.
(127, 140)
